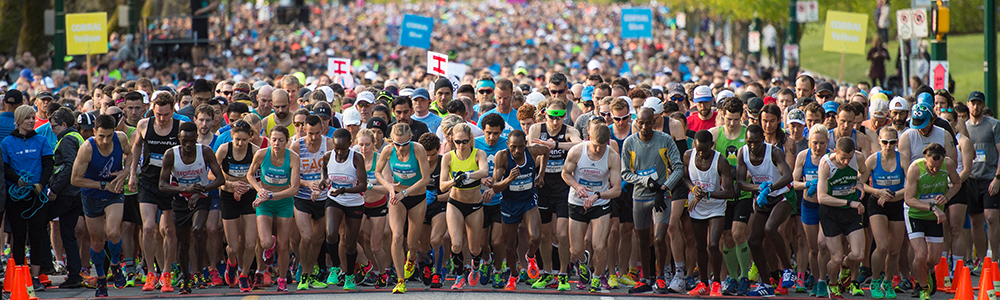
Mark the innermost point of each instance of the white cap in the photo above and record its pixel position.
(878, 109)
(874, 90)
(329, 52)
(370, 75)
(534, 98)
(631, 108)
(655, 104)
(724, 94)
(328, 92)
(145, 97)
(366, 96)
(898, 103)
(352, 117)
(702, 93)
(593, 64)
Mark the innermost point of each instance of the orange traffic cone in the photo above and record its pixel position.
(996, 275)
(986, 289)
(18, 291)
(986, 275)
(940, 272)
(28, 283)
(8, 278)
(964, 290)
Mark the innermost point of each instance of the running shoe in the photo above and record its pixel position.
(916, 290)
(626, 280)
(584, 271)
(533, 271)
(408, 269)
(699, 290)
(822, 291)
(762, 290)
(835, 292)
(484, 271)
(932, 283)
(660, 287)
(563, 282)
(788, 279)
(855, 289)
(459, 283)
(778, 290)
(924, 295)
(864, 274)
(753, 273)
(800, 285)
(902, 285)
(876, 289)
(316, 283)
(498, 280)
(604, 283)
(102, 288)
(370, 279)
(595, 285)
(612, 281)
(889, 289)
(729, 286)
(303, 282)
(231, 275)
(400, 287)
(582, 283)
(150, 284)
(676, 285)
(216, 280)
(175, 278)
(185, 286)
(130, 279)
(845, 276)
(282, 284)
(716, 289)
(334, 277)
(349, 284)
(542, 281)
(266, 280)
(427, 275)
(511, 283)
(383, 281)
(245, 284)
(165, 281)
(473, 278)
(743, 287)
(639, 288)
(436, 281)
(119, 277)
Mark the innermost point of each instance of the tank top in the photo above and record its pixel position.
(810, 171)
(929, 186)
(842, 181)
(371, 170)
(766, 171)
(881, 179)
(311, 167)
(237, 168)
(405, 172)
(557, 157)
(620, 141)
(468, 165)
(126, 190)
(434, 186)
(710, 181)
(728, 147)
(154, 147)
(919, 141)
(275, 175)
(522, 189)
(271, 123)
(593, 175)
(832, 142)
(186, 175)
(101, 167)
(343, 175)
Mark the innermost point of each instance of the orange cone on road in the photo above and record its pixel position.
(8, 278)
(964, 288)
(940, 272)
(18, 291)
(986, 288)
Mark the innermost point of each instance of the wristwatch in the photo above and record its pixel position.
(403, 192)
(104, 184)
(598, 195)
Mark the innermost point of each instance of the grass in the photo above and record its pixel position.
(965, 57)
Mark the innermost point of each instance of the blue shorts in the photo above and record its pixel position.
(810, 212)
(94, 208)
(511, 212)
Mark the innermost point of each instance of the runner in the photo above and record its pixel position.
(278, 183)
(594, 173)
(957, 208)
(840, 213)
(886, 213)
(628, 273)
(729, 138)
(237, 198)
(491, 143)
(465, 202)
(373, 225)
(347, 179)
(189, 183)
(435, 226)
(707, 174)
(205, 220)
(927, 190)
(517, 186)
(806, 176)
(311, 205)
(410, 176)
(984, 201)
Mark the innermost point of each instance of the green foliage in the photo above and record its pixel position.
(11, 16)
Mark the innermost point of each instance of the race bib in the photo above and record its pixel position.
(929, 198)
(554, 166)
(842, 190)
(523, 182)
(980, 156)
(237, 170)
(888, 181)
(651, 172)
(404, 173)
(156, 159)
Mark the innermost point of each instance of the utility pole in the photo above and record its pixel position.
(990, 59)
(792, 34)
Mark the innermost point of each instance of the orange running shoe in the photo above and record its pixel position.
(151, 281)
(165, 282)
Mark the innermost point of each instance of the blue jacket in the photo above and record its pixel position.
(27, 153)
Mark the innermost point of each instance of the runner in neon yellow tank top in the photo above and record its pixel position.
(465, 202)
(927, 191)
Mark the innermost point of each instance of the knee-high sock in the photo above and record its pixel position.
(334, 250)
(458, 259)
(732, 262)
(98, 259)
(351, 259)
(116, 252)
(743, 254)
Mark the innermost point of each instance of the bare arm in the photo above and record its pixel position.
(80, 168)
(728, 190)
(499, 168)
(786, 172)
(213, 164)
(799, 182)
(446, 182)
(425, 171)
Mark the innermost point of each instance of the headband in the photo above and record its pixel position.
(485, 84)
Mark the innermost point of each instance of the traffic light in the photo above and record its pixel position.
(940, 19)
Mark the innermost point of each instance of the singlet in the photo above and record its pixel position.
(728, 147)
(621, 141)
(434, 186)
(154, 147)
(186, 175)
(810, 171)
(766, 171)
(101, 167)
(343, 175)
(881, 179)
(371, 171)
(275, 175)
(710, 181)
(928, 187)
(832, 141)
(310, 167)
(842, 181)
(237, 168)
(405, 172)
(557, 157)
(522, 189)
(271, 123)
(919, 141)
(468, 165)
(593, 175)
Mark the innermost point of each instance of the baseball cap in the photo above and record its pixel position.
(770, 100)
(593, 64)
(85, 121)
(925, 99)
(880, 96)
(534, 98)
(796, 116)
(724, 94)
(754, 105)
(898, 103)
(322, 111)
(745, 96)
(977, 95)
(655, 104)
(920, 116)
(27, 74)
(824, 86)
(676, 89)
(366, 96)
(587, 94)
(378, 122)
(802, 102)
(830, 106)
(879, 108)
(371, 75)
(420, 93)
(13, 96)
(702, 93)
(41, 95)
(352, 117)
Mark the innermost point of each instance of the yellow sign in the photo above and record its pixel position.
(86, 33)
(845, 32)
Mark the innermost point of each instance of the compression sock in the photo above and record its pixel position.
(556, 264)
(458, 259)
(732, 262)
(116, 252)
(743, 254)
(351, 259)
(98, 259)
(439, 260)
(334, 250)
(679, 269)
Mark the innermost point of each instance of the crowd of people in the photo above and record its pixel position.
(661, 165)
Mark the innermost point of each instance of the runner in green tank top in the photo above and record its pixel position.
(927, 191)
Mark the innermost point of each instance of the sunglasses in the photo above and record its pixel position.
(677, 99)
(227, 93)
(485, 91)
(947, 110)
(605, 114)
(889, 142)
(557, 92)
(241, 124)
(363, 104)
(403, 144)
(461, 142)
(622, 118)
(297, 124)
(551, 117)
(831, 115)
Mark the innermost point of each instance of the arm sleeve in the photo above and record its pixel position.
(628, 174)
(674, 163)
(67, 155)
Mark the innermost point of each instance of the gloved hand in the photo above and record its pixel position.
(765, 188)
(811, 187)
(659, 203)
(652, 184)
(461, 177)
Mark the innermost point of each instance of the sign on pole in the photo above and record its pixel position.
(753, 41)
(338, 67)
(637, 23)
(919, 22)
(845, 32)
(904, 23)
(416, 31)
(939, 74)
(801, 11)
(813, 15)
(86, 33)
(436, 63)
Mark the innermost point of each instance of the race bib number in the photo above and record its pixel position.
(929, 198)
(237, 170)
(980, 156)
(554, 166)
(156, 159)
(888, 181)
(651, 172)
(404, 173)
(842, 190)
(523, 182)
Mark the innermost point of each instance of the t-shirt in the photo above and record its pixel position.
(581, 124)
(696, 123)
(491, 152)
(40, 122)
(7, 124)
(46, 131)
(432, 121)
(985, 136)
(657, 158)
(510, 118)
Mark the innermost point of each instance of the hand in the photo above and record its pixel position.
(513, 174)
(487, 181)
(316, 195)
(693, 202)
(52, 196)
(21, 182)
(488, 195)
(316, 186)
(549, 143)
(589, 202)
(461, 177)
(581, 191)
(540, 180)
(193, 201)
(259, 200)
(941, 216)
(652, 184)
(858, 206)
(263, 194)
(336, 192)
(699, 193)
(396, 198)
(197, 188)
(940, 199)
(659, 204)
(994, 186)
(38, 188)
(133, 183)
